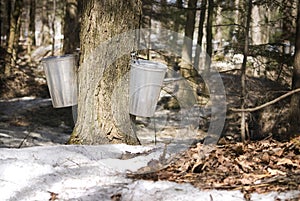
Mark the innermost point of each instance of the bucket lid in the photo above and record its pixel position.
(149, 65)
(62, 57)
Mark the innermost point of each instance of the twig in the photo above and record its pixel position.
(25, 138)
(266, 104)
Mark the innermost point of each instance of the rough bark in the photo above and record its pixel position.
(177, 16)
(53, 27)
(8, 4)
(295, 100)
(200, 33)
(13, 36)
(189, 31)
(209, 28)
(45, 32)
(287, 19)
(243, 70)
(32, 21)
(71, 26)
(101, 101)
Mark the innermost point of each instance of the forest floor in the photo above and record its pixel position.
(27, 119)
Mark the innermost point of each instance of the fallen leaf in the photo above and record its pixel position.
(286, 161)
(275, 172)
(54, 196)
(265, 158)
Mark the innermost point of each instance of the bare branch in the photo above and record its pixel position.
(266, 104)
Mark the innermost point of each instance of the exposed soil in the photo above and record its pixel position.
(33, 121)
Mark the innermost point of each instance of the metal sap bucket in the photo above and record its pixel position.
(145, 82)
(61, 79)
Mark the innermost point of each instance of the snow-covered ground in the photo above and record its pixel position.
(97, 173)
(47, 169)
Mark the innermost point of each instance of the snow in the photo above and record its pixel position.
(96, 173)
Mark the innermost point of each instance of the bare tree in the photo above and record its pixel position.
(45, 31)
(32, 21)
(243, 70)
(71, 26)
(189, 31)
(210, 10)
(200, 32)
(13, 37)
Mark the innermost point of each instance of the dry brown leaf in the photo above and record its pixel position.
(245, 165)
(265, 157)
(286, 161)
(275, 172)
(278, 151)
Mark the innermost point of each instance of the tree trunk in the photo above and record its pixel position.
(98, 80)
(295, 100)
(8, 4)
(287, 19)
(200, 33)
(177, 16)
(14, 19)
(45, 31)
(53, 28)
(243, 69)
(32, 21)
(210, 10)
(71, 26)
(189, 32)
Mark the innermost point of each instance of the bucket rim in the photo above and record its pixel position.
(154, 65)
(50, 58)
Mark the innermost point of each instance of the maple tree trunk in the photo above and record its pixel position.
(102, 20)
(295, 100)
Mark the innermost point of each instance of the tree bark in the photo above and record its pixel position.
(295, 100)
(53, 28)
(200, 33)
(45, 32)
(8, 4)
(177, 16)
(32, 21)
(101, 21)
(14, 19)
(209, 28)
(243, 70)
(189, 32)
(71, 26)
(287, 19)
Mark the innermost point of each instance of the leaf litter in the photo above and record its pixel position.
(261, 167)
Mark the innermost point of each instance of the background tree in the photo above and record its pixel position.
(243, 70)
(209, 24)
(71, 26)
(102, 20)
(13, 37)
(32, 21)
(189, 31)
(200, 32)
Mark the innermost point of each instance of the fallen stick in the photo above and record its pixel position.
(266, 104)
